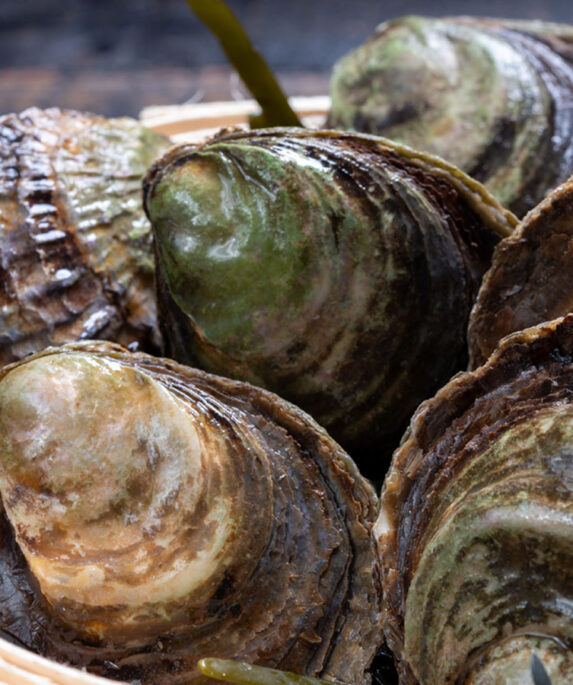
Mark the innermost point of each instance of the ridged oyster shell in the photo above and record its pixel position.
(76, 254)
(491, 96)
(476, 521)
(167, 515)
(336, 269)
(529, 280)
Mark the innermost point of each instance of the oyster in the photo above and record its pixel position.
(76, 256)
(530, 277)
(165, 515)
(336, 269)
(491, 96)
(476, 521)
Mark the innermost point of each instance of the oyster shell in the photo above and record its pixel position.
(76, 256)
(530, 277)
(476, 521)
(336, 269)
(491, 96)
(166, 515)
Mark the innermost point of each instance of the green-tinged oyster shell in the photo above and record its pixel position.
(336, 269)
(246, 674)
(530, 279)
(491, 96)
(476, 521)
(76, 255)
(161, 515)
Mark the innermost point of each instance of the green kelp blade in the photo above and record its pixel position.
(247, 674)
(250, 65)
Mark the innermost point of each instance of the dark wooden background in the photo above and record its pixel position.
(117, 56)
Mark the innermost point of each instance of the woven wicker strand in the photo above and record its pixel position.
(18, 666)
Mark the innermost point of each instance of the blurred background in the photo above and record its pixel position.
(115, 57)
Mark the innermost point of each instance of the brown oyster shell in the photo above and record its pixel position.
(529, 280)
(476, 521)
(76, 256)
(167, 515)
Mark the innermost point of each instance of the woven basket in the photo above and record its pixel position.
(20, 667)
(191, 123)
(183, 123)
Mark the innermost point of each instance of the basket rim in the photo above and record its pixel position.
(192, 122)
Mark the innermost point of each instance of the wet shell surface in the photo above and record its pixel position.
(76, 256)
(530, 279)
(476, 521)
(335, 269)
(155, 515)
(491, 96)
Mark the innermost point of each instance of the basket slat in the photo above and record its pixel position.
(22, 667)
(191, 123)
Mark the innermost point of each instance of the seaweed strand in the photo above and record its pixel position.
(247, 674)
(250, 65)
